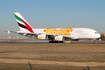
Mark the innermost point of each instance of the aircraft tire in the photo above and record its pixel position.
(55, 41)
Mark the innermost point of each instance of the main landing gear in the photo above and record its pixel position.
(55, 41)
(59, 41)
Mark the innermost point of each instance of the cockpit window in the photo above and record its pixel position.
(96, 32)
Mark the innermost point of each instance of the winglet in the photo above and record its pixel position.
(8, 31)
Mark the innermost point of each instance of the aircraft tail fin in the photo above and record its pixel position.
(23, 24)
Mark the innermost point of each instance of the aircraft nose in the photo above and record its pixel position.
(98, 35)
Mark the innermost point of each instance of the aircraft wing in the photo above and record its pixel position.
(33, 35)
(44, 36)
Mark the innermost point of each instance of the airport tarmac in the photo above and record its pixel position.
(36, 41)
(46, 42)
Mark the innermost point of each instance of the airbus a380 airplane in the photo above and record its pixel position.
(54, 34)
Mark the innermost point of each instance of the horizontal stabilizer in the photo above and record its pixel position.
(10, 31)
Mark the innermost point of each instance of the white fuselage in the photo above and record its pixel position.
(76, 33)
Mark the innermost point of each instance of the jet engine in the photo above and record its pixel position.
(42, 36)
(59, 38)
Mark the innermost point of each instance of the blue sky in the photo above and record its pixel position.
(53, 14)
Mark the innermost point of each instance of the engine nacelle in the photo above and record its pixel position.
(59, 38)
(42, 36)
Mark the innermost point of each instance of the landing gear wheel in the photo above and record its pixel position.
(55, 41)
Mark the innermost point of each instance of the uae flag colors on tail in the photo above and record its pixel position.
(23, 23)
